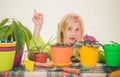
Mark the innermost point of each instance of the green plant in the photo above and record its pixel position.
(14, 30)
(89, 41)
(61, 34)
(42, 48)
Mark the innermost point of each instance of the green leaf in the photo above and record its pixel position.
(14, 30)
(4, 21)
(28, 35)
(49, 53)
(79, 44)
(5, 31)
(58, 34)
(64, 33)
(19, 36)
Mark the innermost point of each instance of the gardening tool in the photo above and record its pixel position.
(67, 69)
(71, 70)
(29, 64)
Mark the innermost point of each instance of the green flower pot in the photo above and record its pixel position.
(112, 54)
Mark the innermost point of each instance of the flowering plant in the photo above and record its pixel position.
(89, 38)
(89, 41)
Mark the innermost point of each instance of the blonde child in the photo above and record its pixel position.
(70, 30)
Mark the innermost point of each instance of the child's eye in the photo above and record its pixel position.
(77, 29)
(69, 29)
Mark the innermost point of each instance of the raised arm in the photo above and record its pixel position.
(38, 19)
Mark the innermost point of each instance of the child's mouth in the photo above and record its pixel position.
(72, 38)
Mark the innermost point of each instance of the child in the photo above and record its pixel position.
(70, 30)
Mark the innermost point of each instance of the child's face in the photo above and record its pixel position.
(73, 32)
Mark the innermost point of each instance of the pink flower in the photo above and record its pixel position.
(89, 37)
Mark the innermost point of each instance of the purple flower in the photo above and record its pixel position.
(89, 37)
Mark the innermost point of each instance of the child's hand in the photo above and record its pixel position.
(37, 18)
(38, 21)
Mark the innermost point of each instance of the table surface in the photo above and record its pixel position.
(100, 70)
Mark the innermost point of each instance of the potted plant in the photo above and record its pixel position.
(41, 53)
(89, 49)
(14, 30)
(61, 51)
(61, 54)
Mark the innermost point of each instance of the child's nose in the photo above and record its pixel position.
(73, 32)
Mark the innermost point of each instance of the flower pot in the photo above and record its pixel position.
(7, 54)
(112, 54)
(61, 55)
(40, 57)
(18, 58)
(88, 56)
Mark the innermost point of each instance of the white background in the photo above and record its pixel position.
(101, 17)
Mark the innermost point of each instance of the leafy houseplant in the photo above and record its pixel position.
(42, 52)
(14, 30)
(89, 41)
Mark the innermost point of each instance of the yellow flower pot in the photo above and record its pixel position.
(88, 56)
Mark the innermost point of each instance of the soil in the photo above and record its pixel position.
(62, 45)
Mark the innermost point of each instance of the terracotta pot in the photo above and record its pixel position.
(61, 55)
(40, 57)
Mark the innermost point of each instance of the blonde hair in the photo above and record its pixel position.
(73, 18)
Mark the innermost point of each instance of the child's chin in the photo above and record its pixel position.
(72, 42)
